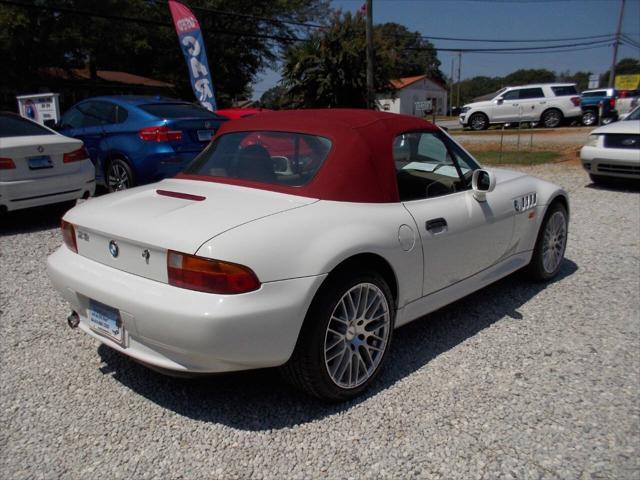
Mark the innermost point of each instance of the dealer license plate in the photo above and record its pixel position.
(205, 135)
(42, 161)
(106, 321)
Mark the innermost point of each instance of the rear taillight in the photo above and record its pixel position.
(7, 164)
(69, 236)
(159, 134)
(612, 102)
(575, 101)
(76, 155)
(212, 276)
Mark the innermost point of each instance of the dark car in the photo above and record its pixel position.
(598, 106)
(133, 140)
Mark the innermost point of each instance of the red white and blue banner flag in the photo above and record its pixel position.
(190, 38)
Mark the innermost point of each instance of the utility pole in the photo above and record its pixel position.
(369, 29)
(459, 74)
(451, 88)
(612, 72)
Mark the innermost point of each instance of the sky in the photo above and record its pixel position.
(505, 19)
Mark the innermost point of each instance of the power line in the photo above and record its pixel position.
(516, 49)
(487, 40)
(579, 49)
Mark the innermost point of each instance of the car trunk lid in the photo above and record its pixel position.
(133, 229)
(37, 156)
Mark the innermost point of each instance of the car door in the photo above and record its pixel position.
(460, 236)
(532, 103)
(508, 109)
(96, 115)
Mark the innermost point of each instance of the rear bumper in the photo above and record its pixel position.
(183, 330)
(611, 162)
(19, 194)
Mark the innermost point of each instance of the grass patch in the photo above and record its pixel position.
(492, 157)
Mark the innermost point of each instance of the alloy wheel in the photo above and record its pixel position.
(117, 177)
(357, 335)
(552, 119)
(554, 242)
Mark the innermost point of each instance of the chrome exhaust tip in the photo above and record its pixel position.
(73, 320)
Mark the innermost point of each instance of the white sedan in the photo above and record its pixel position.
(614, 150)
(300, 240)
(39, 166)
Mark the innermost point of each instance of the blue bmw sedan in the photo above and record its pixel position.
(133, 140)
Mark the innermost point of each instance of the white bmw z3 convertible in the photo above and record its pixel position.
(300, 240)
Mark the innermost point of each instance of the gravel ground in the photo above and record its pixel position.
(519, 380)
(562, 137)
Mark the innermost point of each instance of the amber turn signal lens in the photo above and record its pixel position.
(69, 236)
(207, 275)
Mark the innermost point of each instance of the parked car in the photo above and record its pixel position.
(592, 102)
(133, 140)
(614, 150)
(305, 259)
(548, 104)
(38, 166)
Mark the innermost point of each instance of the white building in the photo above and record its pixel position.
(418, 96)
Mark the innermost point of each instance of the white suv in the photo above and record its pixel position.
(548, 104)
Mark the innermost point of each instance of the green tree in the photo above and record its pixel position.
(409, 53)
(31, 39)
(329, 70)
(529, 76)
(275, 98)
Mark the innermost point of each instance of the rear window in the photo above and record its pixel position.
(564, 90)
(281, 158)
(177, 110)
(599, 93)
(531, 93)
(16, 126)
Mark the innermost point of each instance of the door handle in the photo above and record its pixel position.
(436, 224)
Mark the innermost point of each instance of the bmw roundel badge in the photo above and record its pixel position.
(113, 248)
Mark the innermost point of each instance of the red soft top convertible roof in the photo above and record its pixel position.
(359, 167)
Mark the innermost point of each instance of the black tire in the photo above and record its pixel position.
(307, 368)
(600, 179)
(589, 118)
(551, 118)
(478, 121)
(118, 175)
(537, 269)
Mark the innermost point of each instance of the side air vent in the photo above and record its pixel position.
(526, 202)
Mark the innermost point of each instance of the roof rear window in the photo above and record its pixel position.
(280, 158)
(16, 126)
(598, 93)
(177, 110)
(564, 90)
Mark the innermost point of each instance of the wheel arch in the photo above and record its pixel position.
(550, 109)
(367, 261)
(113, 154)
(561, 198)
(479, 112)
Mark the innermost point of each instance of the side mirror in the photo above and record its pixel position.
(499, 100)
(482, 182)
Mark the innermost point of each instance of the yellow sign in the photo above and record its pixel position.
(627, 82)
